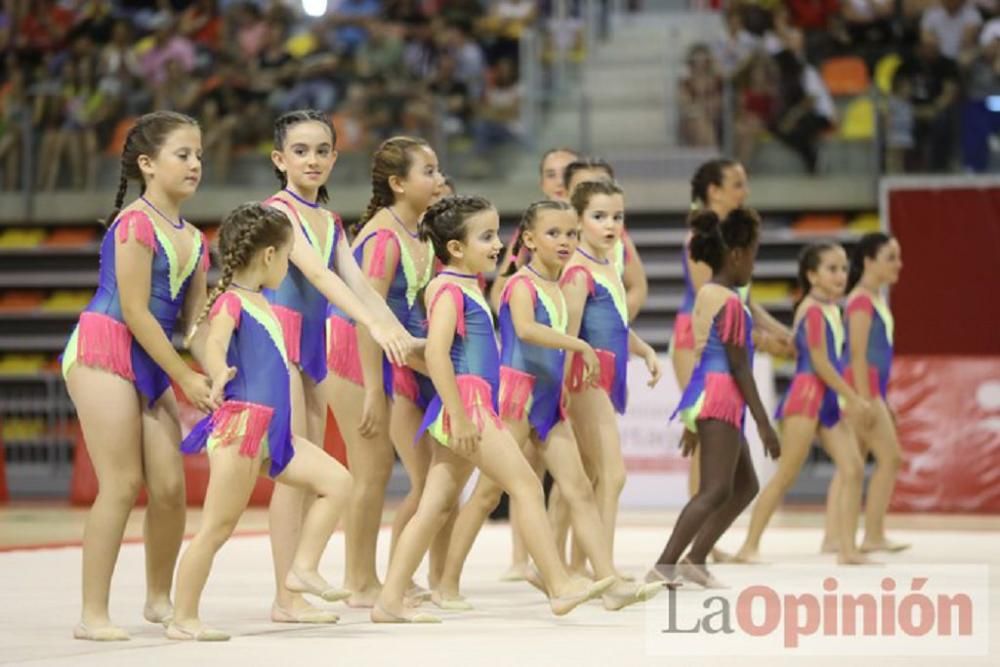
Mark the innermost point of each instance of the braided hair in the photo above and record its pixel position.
(146, 137)
(248, 229)
(445, 221)
(285, 122)
(394, 157)
(526, 223)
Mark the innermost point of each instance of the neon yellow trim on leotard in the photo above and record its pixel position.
(617, 292)
(558, 315)
(267, 320)
(177, 279)
(883, 311)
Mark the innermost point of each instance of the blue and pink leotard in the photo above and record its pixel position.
(605, 327)
(879, 350)
(257, 411)
(808, 395)
(298, 305)
(343, 358)
(531, 376)
(101, 339)
(712, 392)
(476, 360)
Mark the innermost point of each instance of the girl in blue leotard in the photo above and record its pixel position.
(251, 432)
(462, 417)
(867, 363)
(810, 407)
(119, 364)
(715, 401)
(598, 313)
(322, 271)
(534, 343)
(380, 404)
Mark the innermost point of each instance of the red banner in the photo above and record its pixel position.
(948, 420)
(945, 301)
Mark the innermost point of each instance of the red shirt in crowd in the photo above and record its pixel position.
(812, 14)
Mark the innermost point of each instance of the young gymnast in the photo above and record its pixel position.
(322, 271)
(811, 404)
(397, 265)
(720, 186)
(595, 297)
(875, 265)
(629, 265)
(251, 432)
(552, 183)
(461, 419)
(152, 275)
(534, 343)
(715, 401)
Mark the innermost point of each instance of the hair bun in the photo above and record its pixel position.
(705, 222)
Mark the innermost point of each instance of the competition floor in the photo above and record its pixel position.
(511, 625)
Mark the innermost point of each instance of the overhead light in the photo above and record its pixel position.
(314, 8)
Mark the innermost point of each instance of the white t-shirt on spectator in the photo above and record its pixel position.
(990, 32)
(950, 28)
(813, 84)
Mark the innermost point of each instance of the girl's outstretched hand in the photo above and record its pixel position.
(394, 339)
(464, 435)
(653, 365)
(219, 383)
(772, 446)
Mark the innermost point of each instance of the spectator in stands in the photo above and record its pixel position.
(453, 98)
(899, 126)
(201, 23)
(382, 53)
(43, 29)
(821, 24)
(49, 116)
(249, 28)
(980, 111)
(13, 108)
(805, 110)
(506, 22)
(757, 86)
(700, 96)
(934, 86)
(499, 117)
(868, 22)
(470, 61)
(954, 24)
(350, 21)
(167, 45)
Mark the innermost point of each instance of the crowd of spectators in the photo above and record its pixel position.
(77, 71)
(939, 108)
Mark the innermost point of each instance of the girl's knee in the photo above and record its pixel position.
(578, 492)
(852, 471)
(219, 531)
(168, 493)
(487, 501)
(716, 495)
(122, 491)
(528, 491)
